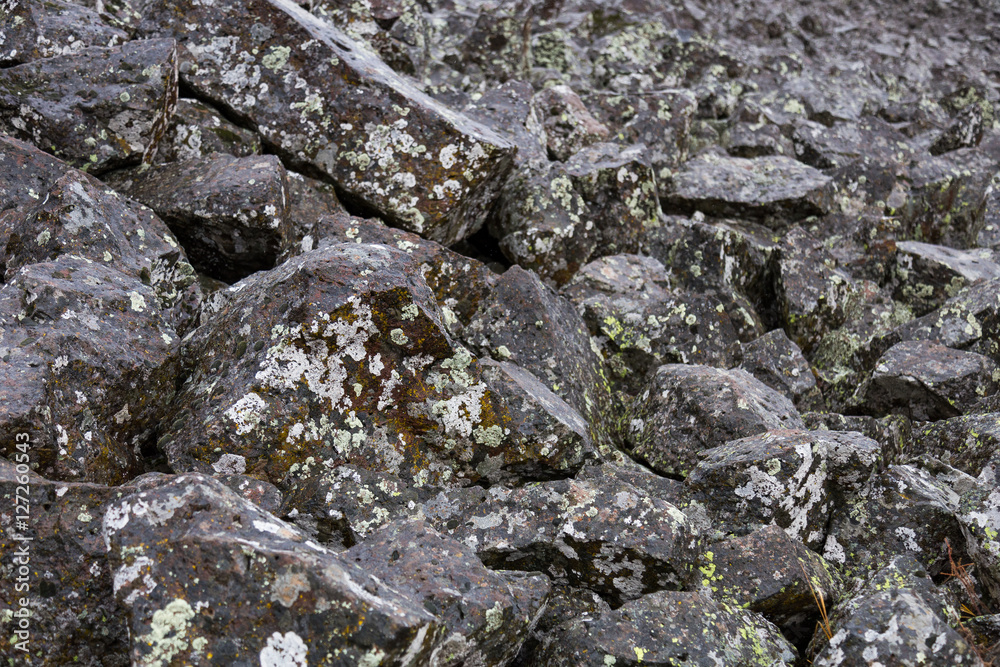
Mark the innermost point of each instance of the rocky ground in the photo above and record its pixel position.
(486, 333)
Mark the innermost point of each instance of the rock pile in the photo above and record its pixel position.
(499, 333)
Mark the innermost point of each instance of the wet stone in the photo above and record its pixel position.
(203, 572)
(197, 130)
(333, 107)
(668, 628)
(926, 381)
(486, 613)
(77, 339)
(929, 274)
(686, 409)
(789, 478)
(604, 535)
(229, 213)
(774, 190)
(130, 97)
(778, 363)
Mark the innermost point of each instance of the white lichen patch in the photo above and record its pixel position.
(246, 413)
(284, 650)
(167, 638)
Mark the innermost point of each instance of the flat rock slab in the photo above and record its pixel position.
(773, 189)
(486, 613)
(321, 100)
(229, 213)
(76, 339)
(203, 572)
(117, 121)
(686, 409)
(789, 478)
(668, 628)
(927, 382)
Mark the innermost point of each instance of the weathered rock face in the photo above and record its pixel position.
(686, 409)
(231, 214)
(197, 130)
(329, 104)
(205, 575)
(116, 122)
(35, 30)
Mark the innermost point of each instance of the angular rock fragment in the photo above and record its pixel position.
(26, 173)
(687, 409)
(340, 356)
(668, 628)
(79, 216)
(979, 515)
(525, 322)
(78, 339)
(203, 572)
(927, 382)
(485, 613)
(35, 29)
(229, 213)
(929, 275)
(116, 121)
(197, 130)
(554, 218)
(770, 573)
(968, 442)
(329, 106)
(778, 363)
(789, 478)
(568, 124)
(604, 535)
(898, 618)
(901, 511)
(774, 190)
(67, 577)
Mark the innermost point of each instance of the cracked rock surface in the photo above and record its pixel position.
(486, 334)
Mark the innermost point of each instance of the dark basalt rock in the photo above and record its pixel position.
(929, 275)
(778, 363)
(231, 214)
(197, 130)
(117, 121)
(686, 409)
(387, 145)
(968, 442)
(35, 30)
(789, 478)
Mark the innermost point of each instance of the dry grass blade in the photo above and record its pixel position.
(820, 603)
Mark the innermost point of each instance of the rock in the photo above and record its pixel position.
(929, 275)
(117, 122)
(554, 218)
(668, 628)
(897, 617)
(79, 216)
(968, 442)
(25, 174)
(335, 109)
(230, 214)
(965, 132)
(309, 203)
(203, 572)
(67, 578)
(77, 340)
(604, 535)
(524, 322)
(772, 574)
(485, 613)
(826, 147)
(35, 30)
(927, 382)
(686, 409)
(893, 433)
(774, 190)
(637, 333)
(197, 130)
(902, 511)
(340, 356)
(979, 515)
(569, 126)
(778, 363)
(789, 478)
